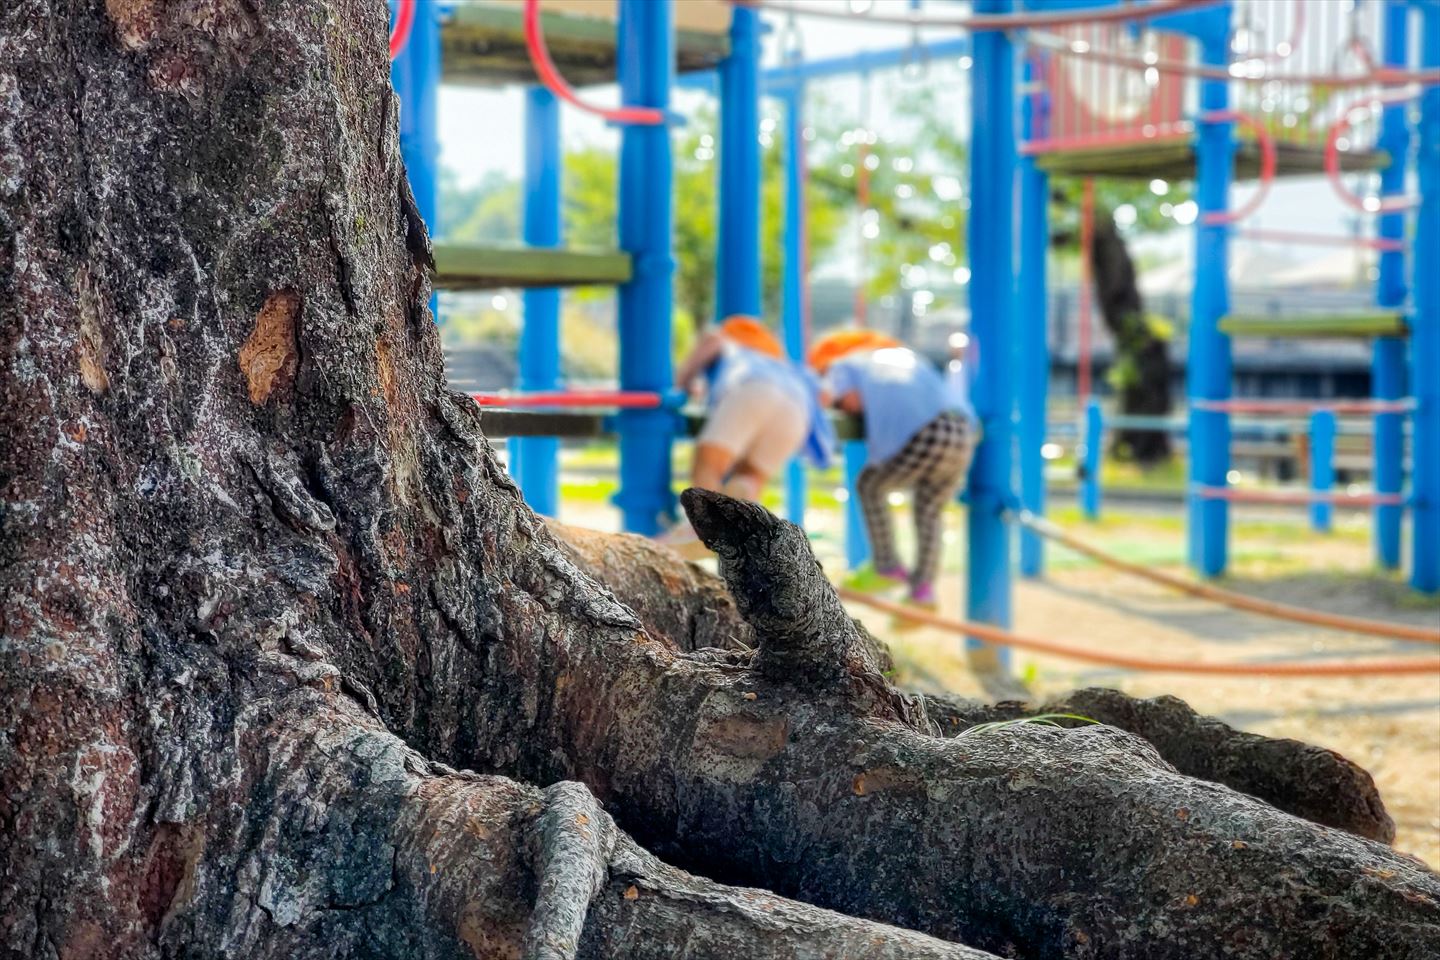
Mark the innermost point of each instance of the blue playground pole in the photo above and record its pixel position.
(737, 269)
(1387, 368)
(794, 271)
(647, 68)
(1425, 330)
(532, 459)
(1033, 303)
(857, 544)
(1094, 457)
(1209, 368)
(992, 310)
(415, 74)
(1322, 468)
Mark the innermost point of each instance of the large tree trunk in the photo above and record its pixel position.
(265, 589)
(1142, 355)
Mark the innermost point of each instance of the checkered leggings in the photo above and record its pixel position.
(932, 464)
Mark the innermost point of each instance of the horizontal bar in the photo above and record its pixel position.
(1383, 244)
(1237, 495)
(1319, 325)
(777, 80)
(489, 267)
(1305, 407)
(618, 399)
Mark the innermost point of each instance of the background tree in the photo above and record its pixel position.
(1140, 371)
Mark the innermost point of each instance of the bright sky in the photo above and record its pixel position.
(482, 130)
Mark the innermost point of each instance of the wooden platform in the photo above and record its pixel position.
(1378, 324)
(484, 43)
(1174, 159)
(468, 267)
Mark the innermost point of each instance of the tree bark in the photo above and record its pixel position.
(1142, 354)
(266, 592)
(254, 555)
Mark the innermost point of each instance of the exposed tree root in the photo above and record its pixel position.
(1308, 781)
(1299, 778)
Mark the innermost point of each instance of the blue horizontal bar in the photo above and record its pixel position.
(778, 79)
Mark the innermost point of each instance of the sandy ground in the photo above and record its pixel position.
(1389, 725)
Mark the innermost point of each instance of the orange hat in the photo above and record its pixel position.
(750, 332)
(841, 343)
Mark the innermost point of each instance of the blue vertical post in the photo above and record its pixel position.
(1387, 366)
(793, 312)
(533, 459)
(415, 75)
(737, 267)
(647, 68)
(1322, 468)
(1094, 459)
(857, 544)
(1034, 300)
(1209, 368)
(1425, 330)
(991, 248)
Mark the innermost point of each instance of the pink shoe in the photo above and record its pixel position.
(923, 594)
(896, 572)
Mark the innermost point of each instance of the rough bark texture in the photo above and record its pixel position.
(266, 591)
(1145, 383)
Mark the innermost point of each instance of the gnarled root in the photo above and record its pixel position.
(1299, 778)
(352, 844)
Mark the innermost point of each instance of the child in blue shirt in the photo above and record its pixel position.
(920, 434)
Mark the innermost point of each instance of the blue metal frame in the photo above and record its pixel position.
(794, 279)
(1034, 328)
(1387, 367)
(1425, 328)
(415, 74)
(1209, 366)
(1093, 460)
(647, 69)
(857, 540)
(737, 268)
(992, 311)
(1322, 468)
(533, 459)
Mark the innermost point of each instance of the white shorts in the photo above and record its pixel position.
(760, 423)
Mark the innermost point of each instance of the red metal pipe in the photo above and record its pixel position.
(1381, 76)
(1383, 244)
(1306, 407)
(991, 21)
(1332, 158)
(1267, 166)
(862, 200)
(550, 76)
(1158, 131)
(626, 399)
(400, 32)
(1087, 292)
(1295, 497)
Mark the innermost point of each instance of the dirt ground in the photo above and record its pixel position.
(1389, 725)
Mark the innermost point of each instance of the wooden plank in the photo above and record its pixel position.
(484, 44)
(473, 267)
(1175, 160)
(1319, 325)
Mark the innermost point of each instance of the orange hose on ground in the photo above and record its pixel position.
(1004, 638)
(1238, 601)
